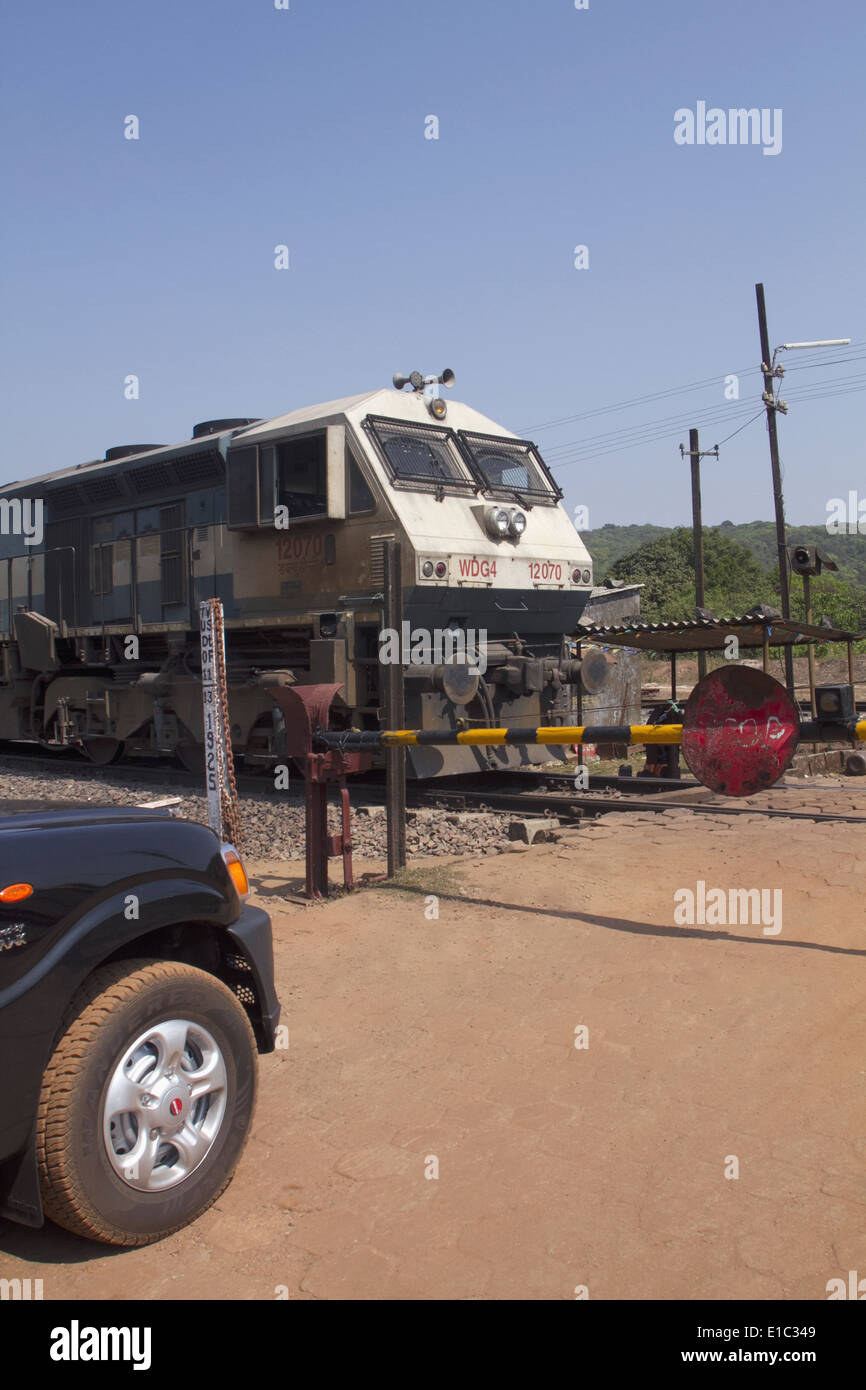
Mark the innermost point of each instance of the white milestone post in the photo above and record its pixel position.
(219, 780)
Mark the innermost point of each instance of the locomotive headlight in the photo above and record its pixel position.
(438, 408)
(498, 521)
(427, 569)
(517, 525)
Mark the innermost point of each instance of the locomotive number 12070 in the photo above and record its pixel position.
(545, 570)
(303, 547)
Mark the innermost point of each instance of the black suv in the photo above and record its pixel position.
(136, 988)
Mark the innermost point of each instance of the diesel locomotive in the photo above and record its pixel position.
(103, 566)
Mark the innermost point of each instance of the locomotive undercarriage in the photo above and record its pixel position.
(87, 696)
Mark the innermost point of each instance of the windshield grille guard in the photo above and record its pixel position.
(542, 489)
(450, 471)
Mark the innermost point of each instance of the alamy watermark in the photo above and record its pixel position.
(22, 516)
(847, 516)
(714, 907)
(736, 126)
(448, 646)
(20, 1290)
(855, 1288)
(77, 1343)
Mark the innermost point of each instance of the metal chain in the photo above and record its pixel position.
(229, 795)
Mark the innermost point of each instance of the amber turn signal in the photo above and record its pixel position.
(15, 892)
(237, 873)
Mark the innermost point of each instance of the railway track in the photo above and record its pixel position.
(578, 807)
(530, 792)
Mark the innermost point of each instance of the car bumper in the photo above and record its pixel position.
(254, 939)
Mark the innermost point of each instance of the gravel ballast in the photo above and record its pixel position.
(273, 828)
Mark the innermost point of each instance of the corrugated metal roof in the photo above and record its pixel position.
(710, 634)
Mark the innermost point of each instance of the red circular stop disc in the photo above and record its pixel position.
(740, 730)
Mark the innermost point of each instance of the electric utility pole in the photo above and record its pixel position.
(695, 456)
(769, 398)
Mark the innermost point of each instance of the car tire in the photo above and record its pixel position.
(146, 1102)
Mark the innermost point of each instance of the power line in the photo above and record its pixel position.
(649, 429)
(636, 400)
(580, 454)
(742, 427)
(808, 364)
(715, 415)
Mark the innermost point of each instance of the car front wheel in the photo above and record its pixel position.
(146, 1103)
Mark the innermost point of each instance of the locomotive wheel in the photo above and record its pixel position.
(103, 750)
(191, 756)
(256, 758)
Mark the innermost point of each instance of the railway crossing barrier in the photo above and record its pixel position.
(739, 733)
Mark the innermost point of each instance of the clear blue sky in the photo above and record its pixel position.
(307, 127)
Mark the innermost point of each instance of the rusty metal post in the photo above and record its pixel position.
(316, 826)
(394, 713)
(697, 534)
(306, 709)
(769, 400)
(343, 842)
(810, 646)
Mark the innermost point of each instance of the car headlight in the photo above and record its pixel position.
(518, 523)
(498, 521)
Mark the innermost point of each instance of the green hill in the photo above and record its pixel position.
(740, 570)
(610, 543)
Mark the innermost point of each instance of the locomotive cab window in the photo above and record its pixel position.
(299, 474)
(361, 498)
(302, 475)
